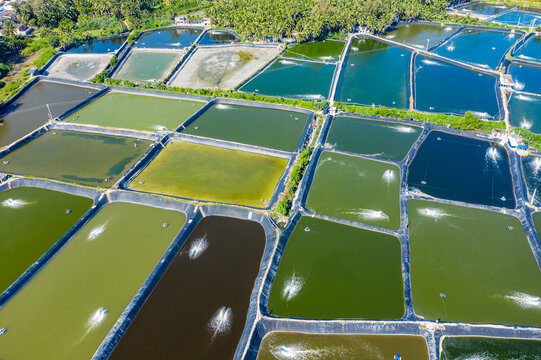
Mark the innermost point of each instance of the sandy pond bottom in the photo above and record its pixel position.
(479, 348)
(198, 309)
(333, 271)
(87, 159)
(31, 221)
(471, 265)
(210, 173)
(78, 67)
(223, 68)
(138, 112)
(67, 309)
(285, 345)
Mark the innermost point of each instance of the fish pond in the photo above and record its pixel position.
(86, 287)
(324, 50)
(459, 348)
(472, 265)
(270, 128)
(87, 159)
(198, 309)
(444, 88)
(219, 37)
(524, 111)
(287, 345)
(148, 66)
(385, 140)
(422, 36)
(31, 110)
(333, 271)
(213, 174)
(383, 71)
(172, 38)
(531, 50)
(478, 47)
(517, 18)
(32, 220)
(296, 79)
(531, 168)
(526, 78)
(138, 112)
(462, 169)
(357, 189)
(99, 46)
(486, 8)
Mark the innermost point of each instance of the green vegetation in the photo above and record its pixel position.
(245, 56)
(294, 179)
(467, 122)
(260, 19)
(533, 140)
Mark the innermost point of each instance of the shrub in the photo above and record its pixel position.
(44, 57)
(4, 70)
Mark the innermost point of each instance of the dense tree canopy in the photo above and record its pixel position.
(260, 19)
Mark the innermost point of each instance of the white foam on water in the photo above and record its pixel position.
(526, 98)
(536, 165)
(14, 203)
(431, 62)
(433, 213)
(525, 124)
(517, 85)
(223, 107)
(312, 96)
(369, 214)
(97, 318)
(477, 357)
(298, 352)
(159, 127)
(392, 36)
(221, 321)
(292, 287)
(326, 58)
(493, 155)
(525, 301)
(287, 62)
(97, 231)
(388, 177)
(480, 114)
(329, 145)
(400, 128)
(354, 48)
(450, 47)
(198, 247)
(448, 28)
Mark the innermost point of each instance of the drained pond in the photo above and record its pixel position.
(286, 345)
(391, 141)
(86, 287)
(358, 271)
(210, 173)
(356, 189)
(32, 220)
(458, 348)
(367, 58)
(30, 111)
(462, 169)
(138, 112)
(471, 265)
(198, 309)
(270, 128)
(87, 159)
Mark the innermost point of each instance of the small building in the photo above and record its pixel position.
(23, 29)
(183, 20)
(507, 80)
(515, 141)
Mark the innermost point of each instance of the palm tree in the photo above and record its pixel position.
(8, 30)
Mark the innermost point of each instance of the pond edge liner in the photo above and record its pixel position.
(44, 259)
(194, 49)
(304, 136)
(208, 30)
(98, 130)
(337, 77)
(194, 216)
(126, 180)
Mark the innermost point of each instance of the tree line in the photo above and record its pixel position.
(261, 19)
